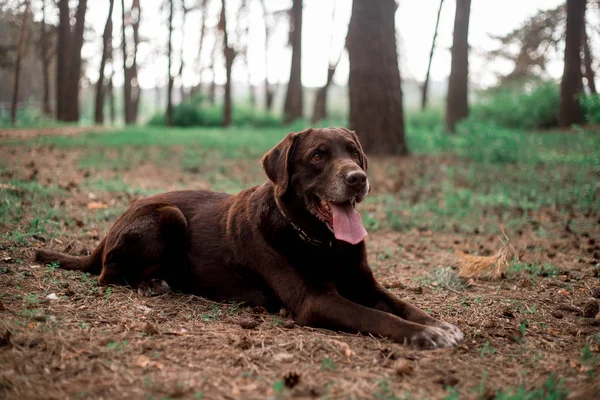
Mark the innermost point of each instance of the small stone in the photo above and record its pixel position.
(403, 367)
(590, 309)
(248, 323)
(52, 296)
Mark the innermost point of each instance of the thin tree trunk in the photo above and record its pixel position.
(45, 57)
(131, 94)
(457, 104)
(169, 114)
(181, 65)
(203, 9)
(111, 99)
(126, 81)
(106, 39)
(293, 106)
(135, 89)
(425, 87)
(587, 63)
(229, 54)
(376, 112)
(17, 72)
(269, 90)
(71, 109)
(62, 59)
(213, 84)
(320, 107)
(571, 85)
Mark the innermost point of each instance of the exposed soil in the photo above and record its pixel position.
(62, 336)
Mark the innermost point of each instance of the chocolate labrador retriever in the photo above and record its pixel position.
(295, 241)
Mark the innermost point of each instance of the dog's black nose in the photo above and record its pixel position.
(356, 179)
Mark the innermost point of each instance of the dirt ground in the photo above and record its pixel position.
(62, 336)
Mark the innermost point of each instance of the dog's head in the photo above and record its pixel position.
(326, 169)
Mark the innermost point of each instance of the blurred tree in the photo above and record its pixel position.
(426, 82)
(242, 35)
(229, 53)
(587, 63)
(320, 107)
(199, 67)
(375, 90)
(534, 41)
(293, 106)
(17, 66)
(45, 57)
(68, 68)
(106, 43)
(131, 90)
(169, 113)
(457, 105)
(571, 84)
(185, 10)
(269, 89)
(212, 88)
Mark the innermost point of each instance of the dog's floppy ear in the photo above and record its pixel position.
(276, 162)
(364, 162)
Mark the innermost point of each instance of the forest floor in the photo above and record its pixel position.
(534, 333)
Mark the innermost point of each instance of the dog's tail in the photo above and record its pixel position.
(91, 263)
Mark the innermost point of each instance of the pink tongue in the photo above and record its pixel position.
(347, 224)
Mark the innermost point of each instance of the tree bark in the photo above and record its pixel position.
(106, 42)
(571, 85)
(182, 64)
(457, 105)
(17, 72)
(169, 114)
(229, 54)
(376, 112)
(130, 93)
(293, 106)
(62, 59)
(203, 9)
(111, 100)
(587, 63)
(425, 87)
(45, 57)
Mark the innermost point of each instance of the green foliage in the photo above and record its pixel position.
(591, 108)
(328, 365)
(530, 109)
(27, 118)
(551, 390)
(198, 112)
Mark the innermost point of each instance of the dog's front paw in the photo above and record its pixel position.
(452, 330)
(153, 287)
(432, 337)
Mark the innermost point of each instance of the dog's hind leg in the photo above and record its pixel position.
(148, 243)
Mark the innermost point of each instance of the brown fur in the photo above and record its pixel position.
(241, 248)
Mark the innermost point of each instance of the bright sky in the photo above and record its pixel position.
(415, 21)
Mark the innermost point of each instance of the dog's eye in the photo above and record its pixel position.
(315, 157)
(356, 155)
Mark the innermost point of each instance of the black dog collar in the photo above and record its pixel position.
(303, 235)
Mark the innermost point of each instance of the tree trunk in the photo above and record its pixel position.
(293, 106)
(320, 107)
(130, 93)
(169, 114)
(425, 87)
(203, 9)
(269, 90)
(71, 91)
(587, 63)
(20, 46)
(571, 85)
(181, 65)
(375, 90)
(229, 54)
(111, 99)
(106, 42)
(62, 59)
(45, 57)
(457, 106)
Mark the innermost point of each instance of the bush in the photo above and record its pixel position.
(534, 109)
(590, 105)
(196, 112)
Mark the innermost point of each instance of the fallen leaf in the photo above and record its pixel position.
(96, 205)
(282, 356)
(564, 292)
(142, 361)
